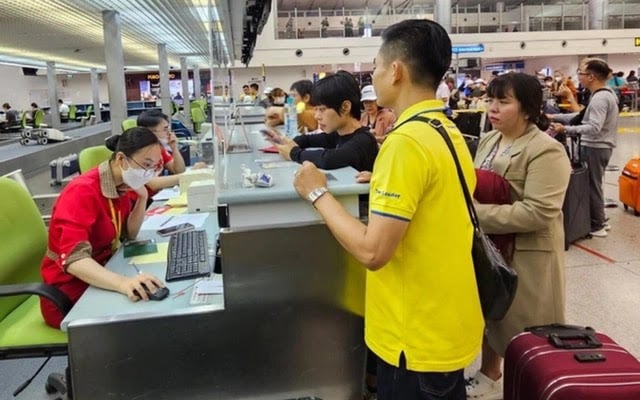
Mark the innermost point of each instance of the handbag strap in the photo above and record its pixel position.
(437, 125)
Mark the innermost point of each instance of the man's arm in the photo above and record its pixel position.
(372, 244)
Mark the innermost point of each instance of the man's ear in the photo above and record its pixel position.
(398, 71)
(345, 107)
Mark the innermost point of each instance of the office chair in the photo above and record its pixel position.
(38, 119)
(72, 112)
(44, 202)
(92, 156)
(128, 124)
(197, 117)
(88, 111)
(23, 332)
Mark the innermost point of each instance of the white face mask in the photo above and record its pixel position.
(165, 142)
(278, 100)
(136, 178)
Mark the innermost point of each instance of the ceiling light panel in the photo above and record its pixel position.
(68, 30)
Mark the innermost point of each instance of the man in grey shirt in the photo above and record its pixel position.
(598, 130)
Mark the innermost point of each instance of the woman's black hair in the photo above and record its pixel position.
(131, 141)
(332, 90)
(151, 118)
(303, 87)
(526, 89)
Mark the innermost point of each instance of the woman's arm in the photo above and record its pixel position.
(544, 181)
(136, 217)
(89, 271)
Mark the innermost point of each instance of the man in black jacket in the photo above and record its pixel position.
(346, 143)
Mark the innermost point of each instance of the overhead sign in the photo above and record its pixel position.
(637, 42)
(467, 48)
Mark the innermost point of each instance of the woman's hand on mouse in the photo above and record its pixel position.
(137, 283)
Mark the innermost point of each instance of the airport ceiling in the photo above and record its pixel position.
(70, 32)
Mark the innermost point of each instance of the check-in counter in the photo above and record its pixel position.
(289, 324)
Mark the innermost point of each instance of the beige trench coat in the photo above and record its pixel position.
(538, 170)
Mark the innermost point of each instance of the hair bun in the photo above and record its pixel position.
(112, 142)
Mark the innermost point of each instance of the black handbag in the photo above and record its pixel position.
(497, 282)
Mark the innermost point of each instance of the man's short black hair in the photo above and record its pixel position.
(255, 86)
(598, 67)
(423, 45)
(332, 90)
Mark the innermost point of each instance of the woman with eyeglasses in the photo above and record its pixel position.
(94, 213)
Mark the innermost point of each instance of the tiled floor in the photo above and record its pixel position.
(603, 276)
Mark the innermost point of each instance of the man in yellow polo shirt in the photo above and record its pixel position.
(422, 313)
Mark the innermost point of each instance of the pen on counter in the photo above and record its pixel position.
(165, 222)
(136, 268)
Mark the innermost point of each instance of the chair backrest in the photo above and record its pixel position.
(88, 110)
(128, 124)
(197, 115)
(18, 176)
(38, 118)
(92, 156)
(72, 111)
(24, 240)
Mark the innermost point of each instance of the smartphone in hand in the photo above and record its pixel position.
(175, 229)
(271, 136)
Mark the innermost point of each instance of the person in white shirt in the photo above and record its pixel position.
(63, 109)
(443, 92)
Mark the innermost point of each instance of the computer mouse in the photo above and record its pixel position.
(160, 294)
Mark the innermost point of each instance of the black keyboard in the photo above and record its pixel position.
(188, 256)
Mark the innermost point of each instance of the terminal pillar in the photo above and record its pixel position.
(598, 14)
(115, 69)
(184, 73)
(165, 93)
(95, 95)
(442, 14)
(52, 86)
(196, 81)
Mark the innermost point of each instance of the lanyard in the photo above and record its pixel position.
(116, 219)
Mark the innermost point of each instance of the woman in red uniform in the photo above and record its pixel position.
(93, 214)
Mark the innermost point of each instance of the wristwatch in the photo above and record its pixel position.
(316, 194)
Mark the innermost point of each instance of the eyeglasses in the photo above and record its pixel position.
(148, 171)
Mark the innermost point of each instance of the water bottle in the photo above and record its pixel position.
(290, 119)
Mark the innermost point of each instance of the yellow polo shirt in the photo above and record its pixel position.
(424, 301)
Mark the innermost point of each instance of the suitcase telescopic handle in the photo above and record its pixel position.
(574, 341)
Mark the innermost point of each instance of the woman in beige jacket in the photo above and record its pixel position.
(537, 169)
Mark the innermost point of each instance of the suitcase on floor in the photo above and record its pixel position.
(629, 185)
(562, 362)
(576, 208)
(63, 168)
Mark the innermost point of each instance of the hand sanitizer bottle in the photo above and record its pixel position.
(290, 118)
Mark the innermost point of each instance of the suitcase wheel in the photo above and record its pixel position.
(636, 212)
(626, 207)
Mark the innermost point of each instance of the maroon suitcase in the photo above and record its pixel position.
(563, 362)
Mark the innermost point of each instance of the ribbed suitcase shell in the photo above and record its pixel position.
(629, 185)
(534, 369)
(64, 167)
